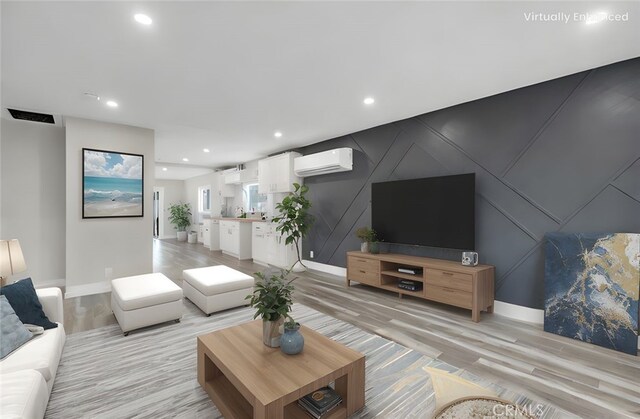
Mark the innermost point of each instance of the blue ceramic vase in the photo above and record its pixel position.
(292, 341)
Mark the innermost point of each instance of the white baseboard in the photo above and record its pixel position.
(330, 269)
(60, 282)
(88, 289)
(522, 313)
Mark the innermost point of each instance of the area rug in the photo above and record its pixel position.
(152, 373)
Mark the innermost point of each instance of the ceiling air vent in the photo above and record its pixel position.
(32, 116)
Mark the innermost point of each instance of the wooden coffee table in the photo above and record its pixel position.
(245, 378)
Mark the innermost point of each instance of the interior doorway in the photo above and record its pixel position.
(158, 212)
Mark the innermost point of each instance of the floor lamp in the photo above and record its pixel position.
(11, 259)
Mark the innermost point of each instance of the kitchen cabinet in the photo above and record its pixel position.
(214, 235)
(275, 174)
(235, 238)
(249, 175)
(233, 177)
(268, 247)
(226, 190)
(259, 243)
(200, 233)
(206, 237)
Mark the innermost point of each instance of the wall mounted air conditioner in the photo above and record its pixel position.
(331, 161)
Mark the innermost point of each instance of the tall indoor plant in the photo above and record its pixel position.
(180, 217)
(272, 295)
(294, 220)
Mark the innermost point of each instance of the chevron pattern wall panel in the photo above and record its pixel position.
(562, 155)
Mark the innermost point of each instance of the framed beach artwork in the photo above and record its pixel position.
(112, 184)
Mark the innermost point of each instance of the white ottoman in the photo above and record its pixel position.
(216, 288)
(145, 300)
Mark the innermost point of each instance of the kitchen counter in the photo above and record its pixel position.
(242, 220)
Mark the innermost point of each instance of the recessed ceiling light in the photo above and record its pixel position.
(206, 150)
(142, 18)
(185, 159)
(112, 104)
(164, 169)
(369, 100)
(277, 134)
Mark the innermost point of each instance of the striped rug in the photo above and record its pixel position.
(152, 373)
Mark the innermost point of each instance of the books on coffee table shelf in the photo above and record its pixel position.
(320, 402)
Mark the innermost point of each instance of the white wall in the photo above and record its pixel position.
(94, 246)
(191, 195)
(173, 193)
(32, 178)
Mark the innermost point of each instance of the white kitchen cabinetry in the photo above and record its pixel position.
(235, 238)
(275, 174)
(259, 243)
(283, 256)
(268, 247)
(233, 177)
(249, 175)
(206, 236)
(226, 190)
(214, 235)
(200, 233)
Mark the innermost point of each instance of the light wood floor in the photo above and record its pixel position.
(586, 380)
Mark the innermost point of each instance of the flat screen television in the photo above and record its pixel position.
(435, 211)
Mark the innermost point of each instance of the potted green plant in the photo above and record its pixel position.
(366, 235)
(272, 295)
(294, 220)
(272, 299)
(180, 217)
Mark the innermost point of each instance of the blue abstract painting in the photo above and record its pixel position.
(592, 284)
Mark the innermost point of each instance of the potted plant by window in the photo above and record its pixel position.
(272, 295)
(367, 236)
(180, 217)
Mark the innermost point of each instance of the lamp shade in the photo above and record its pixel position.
(11, 258)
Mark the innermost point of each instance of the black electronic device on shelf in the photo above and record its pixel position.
(410, 285)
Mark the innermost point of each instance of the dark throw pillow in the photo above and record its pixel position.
(24, 300)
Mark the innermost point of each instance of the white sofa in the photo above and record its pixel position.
(27, 374)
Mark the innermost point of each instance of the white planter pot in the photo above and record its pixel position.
(182, 236)
(298, 267)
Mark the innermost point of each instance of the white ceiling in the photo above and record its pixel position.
(179, 172)
(227, 75)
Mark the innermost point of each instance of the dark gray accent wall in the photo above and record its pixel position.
(562, 155)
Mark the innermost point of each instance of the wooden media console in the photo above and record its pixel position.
(444, 281)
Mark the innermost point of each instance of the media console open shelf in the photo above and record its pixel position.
(445, 281)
